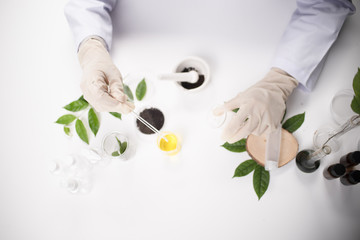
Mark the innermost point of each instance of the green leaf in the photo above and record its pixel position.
(245, 168)
(141, 90)
(239, 146)
(77, 105)
(235, 110)
(293, 123)
(356, 84)
(128, 92)
(119, 142)
(115, 114)
(93, 121)
(261, 179)
(81, 98)
(81, 131)
(355, 104)
(67, 131)
(123, 147)
(66, 119)
(115, 154)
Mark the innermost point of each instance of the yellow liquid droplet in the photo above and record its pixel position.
(170, 144)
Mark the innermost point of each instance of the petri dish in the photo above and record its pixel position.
(169, 143)
(340, 106)
(153, 116)
(115, 145)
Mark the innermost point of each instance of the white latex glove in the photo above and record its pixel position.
(101, 83)
(261, 107)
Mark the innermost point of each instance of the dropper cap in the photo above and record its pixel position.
(354, 157)
(337, 170)
(354, 177)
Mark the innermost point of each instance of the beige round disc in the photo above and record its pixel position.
(255, 146)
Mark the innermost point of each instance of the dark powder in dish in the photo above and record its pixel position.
(197, 84)
(153, 116)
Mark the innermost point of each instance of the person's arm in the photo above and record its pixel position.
(101, 83)
(88, 18)
(312, 30)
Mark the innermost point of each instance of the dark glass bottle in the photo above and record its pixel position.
(334, 171)
(351, 159)
(351, 178)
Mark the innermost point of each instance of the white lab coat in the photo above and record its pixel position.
(312, 30)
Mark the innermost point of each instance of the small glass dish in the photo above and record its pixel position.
(115, 145)
(169, 143)
(340, 106)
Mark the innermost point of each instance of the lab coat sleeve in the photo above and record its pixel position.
(313, 28)
(90, 18)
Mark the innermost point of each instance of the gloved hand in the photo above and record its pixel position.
(261, 107)
(101, 83)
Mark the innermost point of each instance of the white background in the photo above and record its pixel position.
(151, 196)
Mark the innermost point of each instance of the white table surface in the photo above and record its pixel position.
(151, 196)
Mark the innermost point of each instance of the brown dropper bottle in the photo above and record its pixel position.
(351, 159)
(334, 171)
(351, 178)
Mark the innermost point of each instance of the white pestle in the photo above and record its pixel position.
(191, 77)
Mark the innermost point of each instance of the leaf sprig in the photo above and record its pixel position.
(141, 90)
(122, 148)
(128, 92)
(355, 103)
(78, 107)
(261, 177)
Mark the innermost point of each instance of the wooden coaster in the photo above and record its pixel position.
(256, 145)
